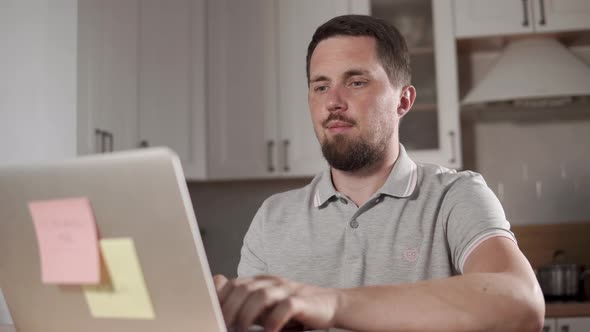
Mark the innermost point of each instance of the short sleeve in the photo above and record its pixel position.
(472, 214)
(252, 261)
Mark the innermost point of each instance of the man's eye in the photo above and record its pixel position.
(321, 88)
(358, 84)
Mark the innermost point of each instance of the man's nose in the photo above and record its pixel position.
(335, 100)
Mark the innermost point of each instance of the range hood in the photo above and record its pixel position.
(532, 69)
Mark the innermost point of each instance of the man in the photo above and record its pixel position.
(378, 242)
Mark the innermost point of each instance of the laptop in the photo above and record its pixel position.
(139, 195)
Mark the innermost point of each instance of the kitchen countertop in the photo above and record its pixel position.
(552, 310)
(567, 309)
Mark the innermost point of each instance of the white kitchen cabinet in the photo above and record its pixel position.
(242, 89)
(479, 18)
(573, 324)
(430, 131)
(107, 75)
(150, 70)
(258, 118)
(567, 324)
(561, 15)
(299, 150)
(476, 18)
(141, 77)
(171, 80)
(549, 325)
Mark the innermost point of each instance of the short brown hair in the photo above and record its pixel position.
(392, 50)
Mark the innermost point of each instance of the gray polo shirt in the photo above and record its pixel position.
(422, 224)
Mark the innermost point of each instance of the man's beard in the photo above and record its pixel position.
(348, 155)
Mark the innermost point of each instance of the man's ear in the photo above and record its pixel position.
(407, 98)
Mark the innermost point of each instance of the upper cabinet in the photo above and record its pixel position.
(171, 80)
(298, 147)
(259, 124)
(476, 18)
(258, 118)
(479, 18)
(561, 15)
(430, 131)
(141, 77)
(223, 82)
(242, 89)
(107, 75)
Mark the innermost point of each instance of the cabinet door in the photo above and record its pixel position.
(549, 325)
(171, 80)
(300, 153)
(561, 15)
(581, 324)
(107, 75)
(430, 132)
(242, 89)
(477, 18)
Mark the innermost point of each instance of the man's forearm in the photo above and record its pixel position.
(471, 302)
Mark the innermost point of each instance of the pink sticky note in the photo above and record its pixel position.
(68, 241)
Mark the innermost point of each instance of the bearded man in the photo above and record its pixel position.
(378, 242)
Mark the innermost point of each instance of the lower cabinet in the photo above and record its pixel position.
(574, 324)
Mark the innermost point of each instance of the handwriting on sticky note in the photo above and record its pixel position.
(126, 296)
(67, 238)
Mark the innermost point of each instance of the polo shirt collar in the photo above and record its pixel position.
(403, 177)
(325, 189)
(400, 183)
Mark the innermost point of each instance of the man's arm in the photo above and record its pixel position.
(497, 292)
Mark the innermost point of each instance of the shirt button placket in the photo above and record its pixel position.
(354, 223)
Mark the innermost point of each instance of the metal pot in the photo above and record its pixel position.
(562, 281)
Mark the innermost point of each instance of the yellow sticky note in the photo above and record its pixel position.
(126, 296)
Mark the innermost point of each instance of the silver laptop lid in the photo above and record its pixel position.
(140, 195)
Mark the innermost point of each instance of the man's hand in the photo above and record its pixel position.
(272, 302)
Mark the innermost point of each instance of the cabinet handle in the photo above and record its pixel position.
(542, 21)
(103, 139)
(525, 9)
(286, 151)
(111, 139)
(453, 147)
(98, 141)
(269, 149)
(565, 328)
(144, 144)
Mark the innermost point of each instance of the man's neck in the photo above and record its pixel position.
(362, 184)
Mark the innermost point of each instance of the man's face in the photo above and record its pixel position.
(354, 106)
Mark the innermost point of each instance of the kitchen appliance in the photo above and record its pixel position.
(532, 68)
(562, 281)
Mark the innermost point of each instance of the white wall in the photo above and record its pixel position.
(38, 40)
(38, 43)
(540, 170)
(537, 161)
